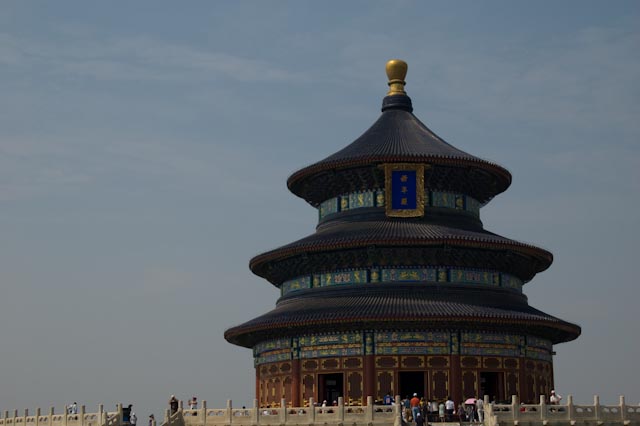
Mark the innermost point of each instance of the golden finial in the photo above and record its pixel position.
(396, 71)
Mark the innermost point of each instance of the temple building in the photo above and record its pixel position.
(400, 289)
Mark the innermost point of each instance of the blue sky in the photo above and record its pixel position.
(144, 150)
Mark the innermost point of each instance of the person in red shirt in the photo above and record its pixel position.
(415, 405)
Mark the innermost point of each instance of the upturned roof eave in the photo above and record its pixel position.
(568, 331)
(285, 252)
(296, 181)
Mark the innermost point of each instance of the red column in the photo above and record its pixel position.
(455, 379)
(369, 377)
(295, 383)
(258, 383)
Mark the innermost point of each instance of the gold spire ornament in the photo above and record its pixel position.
(396, 72)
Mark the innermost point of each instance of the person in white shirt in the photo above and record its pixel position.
(555, 398)
(449, 407)
(480, 409)
(133, 419)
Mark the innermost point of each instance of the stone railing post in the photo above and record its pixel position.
(312, 407)
(120, 413)
(203, 412)
(623, 409)
(397, 412)
(340, 409)
(101, 420)
(255, 413)
(570, 408)
(82, 410)
(543, 407)
(515, 407)
(37, 417)
(51, 413)
(167, 414)
(283, 411)
(229, 412)
(596, 408)
(368, 417)
(65, 415)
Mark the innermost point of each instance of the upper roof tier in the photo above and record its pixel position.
(398, 136)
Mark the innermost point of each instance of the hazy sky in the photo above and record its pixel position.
(145, 147)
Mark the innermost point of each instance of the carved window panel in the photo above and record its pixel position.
(412, 362)
(263, 371)
(385, 383)
(273, 369)
(310, 365)
(469, 383)
(511, 363)
(351, 363)
(330, 364)
(308, 386)
(492, 362)
(531, 388)
(285, 367)
(542, 386)
(286, 384)
(354, 388)
(440, 384)
(438, 362)
(277, 388)
(469, 361)
(386, 361)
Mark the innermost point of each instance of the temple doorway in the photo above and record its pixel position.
(330, 387)
(492, 384)
(410, 382)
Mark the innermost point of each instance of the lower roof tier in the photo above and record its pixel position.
(387, 306)
(335, 239)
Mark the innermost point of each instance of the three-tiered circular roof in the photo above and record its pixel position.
(366, 234)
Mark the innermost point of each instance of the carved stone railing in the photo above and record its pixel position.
(370, 414)
(567, 414)
(542, 414)
(81, 418)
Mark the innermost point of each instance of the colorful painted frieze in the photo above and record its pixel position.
(467, 276)
(296, 284)
(377, 198)
(331, 351)
(403, 274)
(509, 281)
(408, 275)
(505, 339)
(271, 345)
(346, 277)
(361, 199)
(325, 339)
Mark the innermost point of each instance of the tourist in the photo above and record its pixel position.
(152, 420)
(415, 405)
(133, 419)
(441, 411)
(419, 419)
(462, 414)
(449, 407)
(480, 409)
(193, 403)
(73, 408)
(173, 404)
(555, 398)
(387, 399)
(470, 411)
(126, 413)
